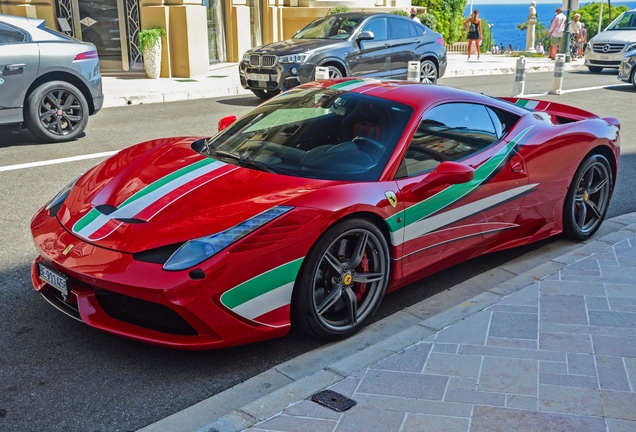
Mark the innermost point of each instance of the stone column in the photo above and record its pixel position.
(532, 23)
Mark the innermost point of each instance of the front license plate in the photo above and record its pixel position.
(604, 57)
(54, 278)
(259, 77)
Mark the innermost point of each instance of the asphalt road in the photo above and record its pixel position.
(57, 374)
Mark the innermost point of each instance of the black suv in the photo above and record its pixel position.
(350, 44)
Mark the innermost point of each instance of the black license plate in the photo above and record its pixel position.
(54, 278)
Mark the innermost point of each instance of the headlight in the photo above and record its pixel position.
(246, 56)
(198, 250)
(631, 47)
(296, 58)
(54, 205)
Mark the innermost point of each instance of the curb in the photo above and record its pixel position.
(268, 393)
(122, 98)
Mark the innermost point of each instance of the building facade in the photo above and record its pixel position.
(199, 32)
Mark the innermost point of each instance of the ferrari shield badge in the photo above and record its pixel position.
(390, 195)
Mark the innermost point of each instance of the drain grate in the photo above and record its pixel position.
(333, 400)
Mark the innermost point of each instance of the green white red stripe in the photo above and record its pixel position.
(419, 218)
(147, 202)
(265, 298)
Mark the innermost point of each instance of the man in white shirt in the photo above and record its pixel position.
(413, 13)
(556, 32)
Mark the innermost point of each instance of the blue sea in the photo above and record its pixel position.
(505, 17)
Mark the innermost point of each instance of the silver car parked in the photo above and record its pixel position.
(49, 82)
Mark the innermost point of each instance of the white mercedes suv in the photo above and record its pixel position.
(607, 49)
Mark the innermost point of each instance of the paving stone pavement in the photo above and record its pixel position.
(558, 355)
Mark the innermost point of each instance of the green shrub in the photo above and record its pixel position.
(338, 9)
(428, 20)
(400, 12)
(149, 37)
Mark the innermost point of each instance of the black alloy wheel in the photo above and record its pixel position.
(588, 198)
(56, 111)
(342, 281)
(335, 72)
(428, 72)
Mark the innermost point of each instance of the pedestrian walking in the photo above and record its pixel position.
(575, 36)
(556, 32)
(413, 13)
(473, 27)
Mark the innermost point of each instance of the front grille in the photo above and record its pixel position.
(607, 63)
(268, 60)
(612, 48)
(143, 313)
(265, 61)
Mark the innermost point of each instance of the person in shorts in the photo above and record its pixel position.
(556, 32)
(473, 27)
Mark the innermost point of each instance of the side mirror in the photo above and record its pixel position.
(366, 35)
(225, 122)
(446, 173)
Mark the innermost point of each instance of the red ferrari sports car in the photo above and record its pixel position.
(307, 210)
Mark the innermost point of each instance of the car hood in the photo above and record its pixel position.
(162, 192)
(618, 36)
(295, 46)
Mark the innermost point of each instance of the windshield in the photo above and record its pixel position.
(330, 27)
(326, 134)
(627, 21)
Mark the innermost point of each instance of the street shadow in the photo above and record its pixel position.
(622, 88)
(13, 137)
(245, 101)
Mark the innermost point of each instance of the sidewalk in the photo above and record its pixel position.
(549, 343)
(223, 80)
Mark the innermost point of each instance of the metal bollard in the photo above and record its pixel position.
(322, 73)
(557, 82)
(520, 77)
(413, 71)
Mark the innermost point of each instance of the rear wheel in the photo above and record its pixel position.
(428, 72)
(343, 280)
(265, 94)
(588, 198)
(595, 69)
(56, 111)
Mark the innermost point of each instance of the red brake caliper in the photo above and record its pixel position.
(360, 288)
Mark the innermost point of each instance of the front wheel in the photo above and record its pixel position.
(265, 94)
(342, 281)
(588, 198)
(595, 69)
(634, 76)
(428, 72)
(56, 112)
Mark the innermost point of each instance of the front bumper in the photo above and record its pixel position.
(603, 60)
(113, 292)
(281, 76)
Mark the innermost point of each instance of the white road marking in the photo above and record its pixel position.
(575, 90)
(56, 161)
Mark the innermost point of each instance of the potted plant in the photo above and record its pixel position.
(150, 47)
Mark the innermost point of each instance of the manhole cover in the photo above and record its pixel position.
(333, 400)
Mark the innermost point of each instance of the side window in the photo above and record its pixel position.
(378, 28)
(9, 35)
(416, 30)
(448, 132)
(400, 29)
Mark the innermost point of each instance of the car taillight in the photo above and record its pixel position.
(86, 55)
(440, 41)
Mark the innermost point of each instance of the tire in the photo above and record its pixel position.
(595, 69)
(265, 94)
(322, 305)
(56, 111)
(428, 72)
(335, 72)
(588, 198)
(634, 76)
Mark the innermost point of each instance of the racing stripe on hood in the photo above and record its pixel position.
(256, 298)
(147, 202)
(352, 85)
(415, 216)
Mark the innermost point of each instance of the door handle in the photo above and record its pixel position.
(416, 41)
(517, 167)
(386, 45)
(15, 67)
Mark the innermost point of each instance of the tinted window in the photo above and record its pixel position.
(378, 27)
(448, 132)
(415, 30)
(316, 133)
(400, 29)
(9, 35)
(627, 21)
(330, 27)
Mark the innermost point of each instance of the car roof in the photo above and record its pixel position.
(416, 95)
(20, 21)
(366, 14)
